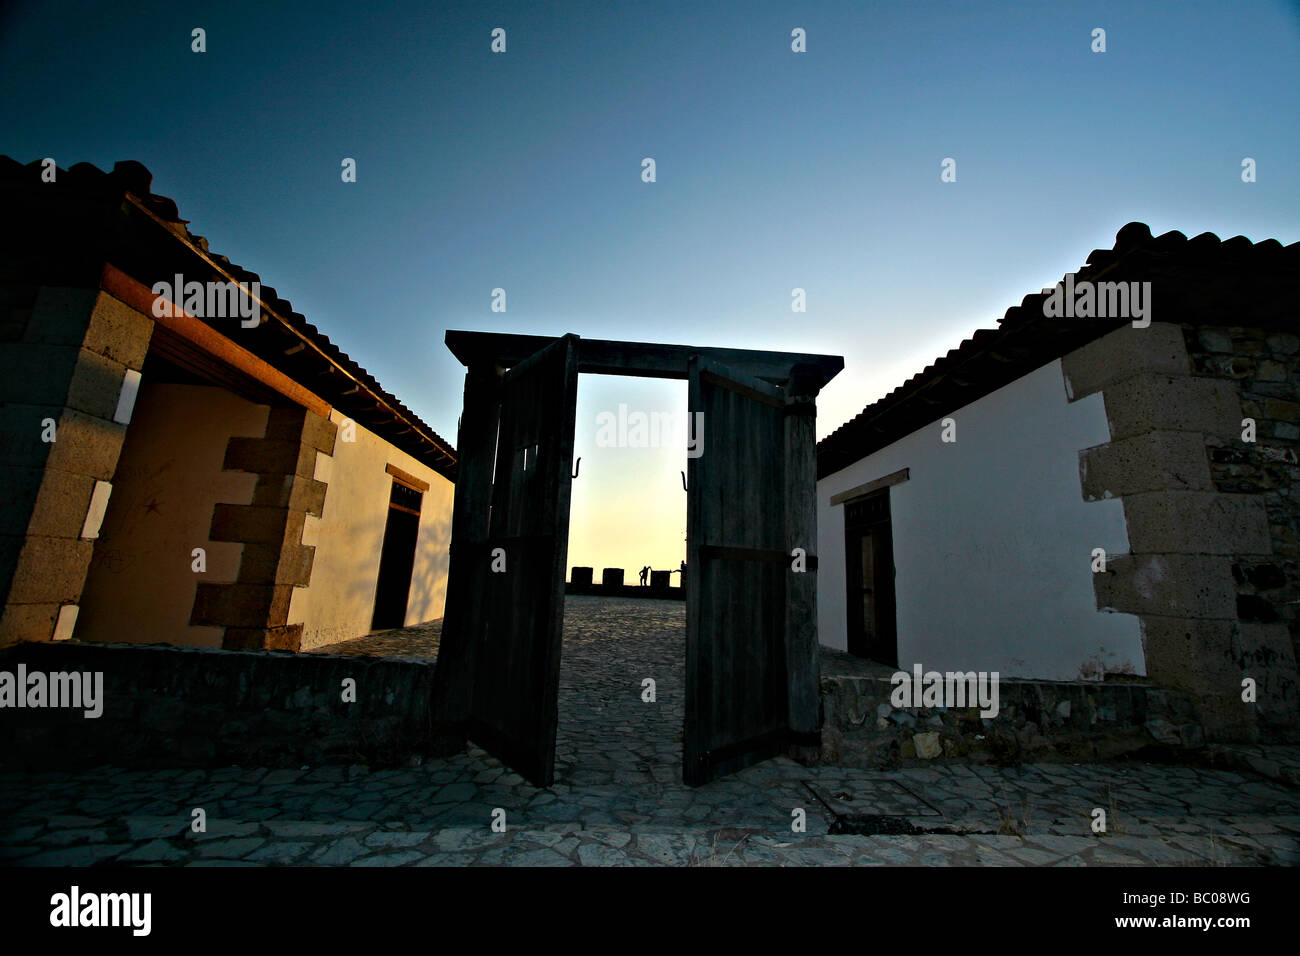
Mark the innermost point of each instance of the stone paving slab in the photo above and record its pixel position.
(602, 845)
(618, 798)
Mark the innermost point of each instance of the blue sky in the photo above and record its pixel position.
(775, 170)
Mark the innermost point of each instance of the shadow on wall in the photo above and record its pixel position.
(428, 592)
(342, 597)
(345, 572)
(141, 583)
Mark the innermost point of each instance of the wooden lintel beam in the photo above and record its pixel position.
(643, 359)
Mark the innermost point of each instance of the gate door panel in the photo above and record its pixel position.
(513, 713)
(736, 572)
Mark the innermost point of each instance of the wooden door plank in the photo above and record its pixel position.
(453, 679)
(515, 701)
(736, 655)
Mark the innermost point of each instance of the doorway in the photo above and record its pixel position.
(869, 577)
(397, 557)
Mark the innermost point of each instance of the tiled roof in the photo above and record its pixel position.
(1203, 279)
(319, 365)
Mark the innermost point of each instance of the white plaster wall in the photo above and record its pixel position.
(993, 541)
(348, 537)
(141, 585)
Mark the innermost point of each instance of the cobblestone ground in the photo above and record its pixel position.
(618, 797)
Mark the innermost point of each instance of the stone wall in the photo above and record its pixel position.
(189, 706)
(65, 360)
(254, 609)
(1204, 510)
(1056, 721)
(1266, 367)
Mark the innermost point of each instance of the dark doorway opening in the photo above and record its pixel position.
(397, 558)
(869, 558)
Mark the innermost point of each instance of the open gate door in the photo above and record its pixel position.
(737, 566)
(513, 711)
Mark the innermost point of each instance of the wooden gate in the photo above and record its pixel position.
(737, 573)
(752, 657)
(516, 664)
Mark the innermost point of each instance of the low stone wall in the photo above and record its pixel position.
(1036, 721)
(184, 706)
(626, 591)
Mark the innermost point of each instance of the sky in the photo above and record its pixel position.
(774, 170)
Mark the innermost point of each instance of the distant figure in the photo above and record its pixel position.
(682, 572)
(645, 574)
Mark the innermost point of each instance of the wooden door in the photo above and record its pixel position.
(514, 706)
(736, 575)
(869, 578)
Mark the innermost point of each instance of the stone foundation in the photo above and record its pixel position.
(1048, 721)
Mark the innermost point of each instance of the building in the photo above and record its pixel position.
(1073, 498)
(186, 460)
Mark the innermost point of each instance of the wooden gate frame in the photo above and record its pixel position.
(486, 356)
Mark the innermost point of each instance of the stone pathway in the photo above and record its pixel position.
(618, 797)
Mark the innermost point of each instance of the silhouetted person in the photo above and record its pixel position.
(645, 575)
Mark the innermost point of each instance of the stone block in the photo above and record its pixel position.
(1283, 343)
(1201, 658)
(276, 564)
(1126, 352)
(1174, 585)
(119, 332)
(308, 496)
(319, 433)
(86, 445)
(96, 384)
(1271, 371)
(273, 491)
(259, 562)
(285, 638)
(50, 571)
(611, 577)
(927, 745)
(293, 492)
(265, 456)
(285, 423)
(1155, 461)
(1146, 403)
(1191, 522)
(61, 504)
(27, 622)
(240, 605)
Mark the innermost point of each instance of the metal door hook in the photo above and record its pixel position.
(683, 481)
(577, 466)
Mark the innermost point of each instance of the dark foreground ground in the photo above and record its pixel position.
(618, 797)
